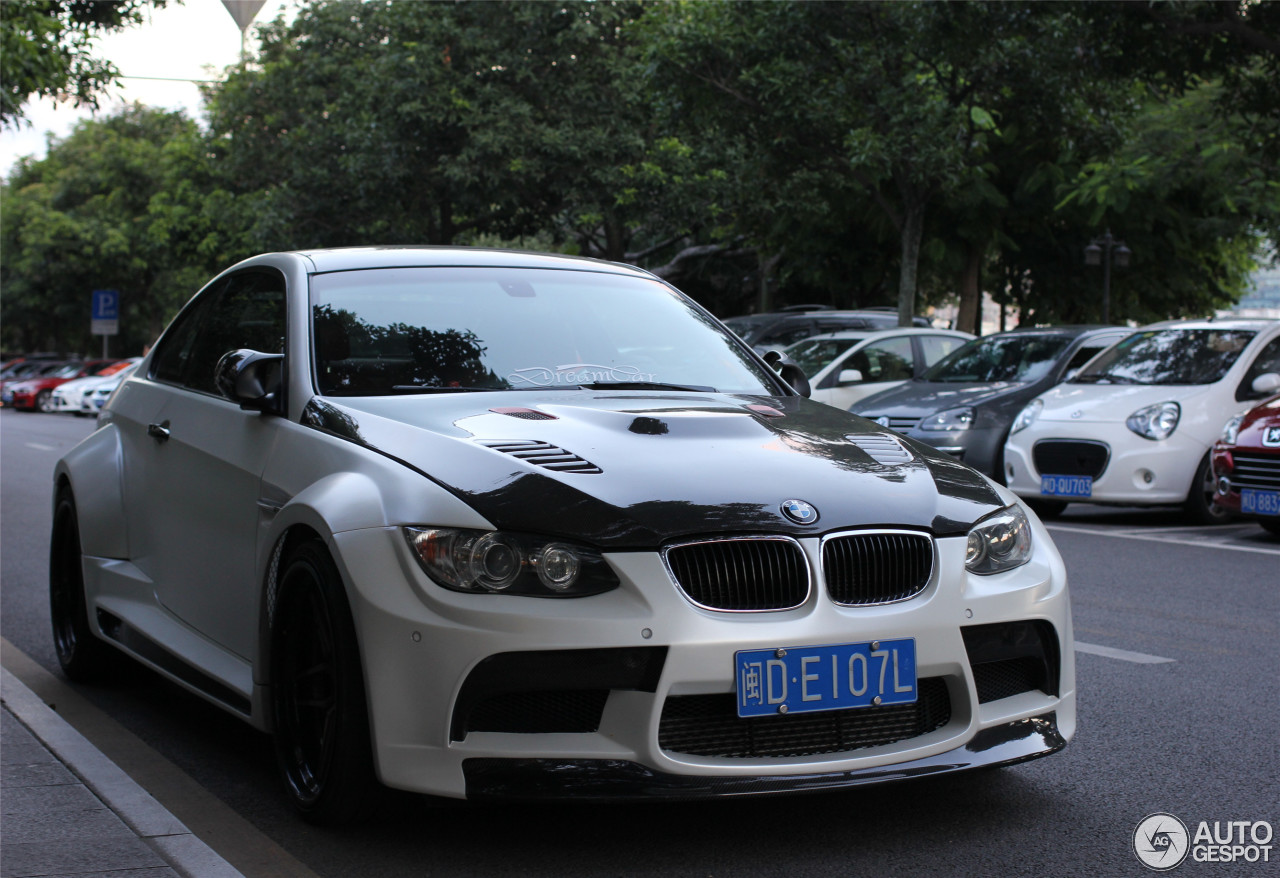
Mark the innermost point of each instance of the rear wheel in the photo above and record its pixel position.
(322, 740)
(84, 658)
(1199, 505)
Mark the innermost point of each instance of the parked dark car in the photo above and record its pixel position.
(777, 329)
(1246, 465)
(965, 404)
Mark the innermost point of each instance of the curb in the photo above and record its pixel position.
(150, 820)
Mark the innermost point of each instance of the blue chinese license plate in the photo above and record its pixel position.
(1255, 502)
(804, 679)
(1066, 486)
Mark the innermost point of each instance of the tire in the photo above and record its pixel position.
(44, 401)
(1271, 526)
(1199, 506)
(84, 658)
(322, 741)
(1047, 509)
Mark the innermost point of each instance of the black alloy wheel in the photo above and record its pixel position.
(322, 741)
(1199, 506)
(84, 658)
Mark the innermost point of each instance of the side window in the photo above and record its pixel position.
(1268, 360)
(935, 347)
(245, 311)
(1087, 352)
(888, 360)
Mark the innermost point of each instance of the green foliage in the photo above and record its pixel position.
(46, 49)
(850, 153)
(86, 218)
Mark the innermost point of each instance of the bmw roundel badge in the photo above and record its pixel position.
(799, 511)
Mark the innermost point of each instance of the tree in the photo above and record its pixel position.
(441, 123)
(46, 49)
(81, 219)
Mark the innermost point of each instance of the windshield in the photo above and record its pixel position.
(1019, 358)
(405, 330)
(1168, 356)
(814, 355)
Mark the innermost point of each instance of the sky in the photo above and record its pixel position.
(194, 40)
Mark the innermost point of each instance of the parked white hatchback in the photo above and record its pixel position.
(844, 367)
(1136, 425)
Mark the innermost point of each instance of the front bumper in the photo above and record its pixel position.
(424, 649)
(580, 779)
(978, 447)
(1139, 472)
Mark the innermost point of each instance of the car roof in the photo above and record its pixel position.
(860, 334)
(352, 258)
(1229, 323)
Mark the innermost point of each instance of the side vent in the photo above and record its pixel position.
(545, 455)
(882, 449)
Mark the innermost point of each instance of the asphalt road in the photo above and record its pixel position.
(1178, 655)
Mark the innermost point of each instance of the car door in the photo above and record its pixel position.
(193, 460)
(879, 365)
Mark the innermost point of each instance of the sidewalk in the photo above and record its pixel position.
(68, 810)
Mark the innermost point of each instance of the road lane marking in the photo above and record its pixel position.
(1124, 655)
(1155, 537)
(38, 447)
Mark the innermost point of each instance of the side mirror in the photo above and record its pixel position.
(790, 372)
(1266, 384)
(849, 376)
(250, 378)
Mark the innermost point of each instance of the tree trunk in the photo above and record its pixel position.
(969, 314)
(912, 233)
(767, 267)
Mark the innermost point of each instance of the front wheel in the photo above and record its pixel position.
(322, 740)
(84, 658)
(1199, 506)
(44, 401)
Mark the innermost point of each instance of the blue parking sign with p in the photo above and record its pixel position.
(106, 304)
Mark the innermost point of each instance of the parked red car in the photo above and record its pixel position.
(1246, 465)
(35, 393)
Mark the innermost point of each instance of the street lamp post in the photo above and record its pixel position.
(1099, 252)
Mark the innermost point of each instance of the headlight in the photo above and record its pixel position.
(495, 562)
(1231, 431)
(1000, 542)
(950, 420)
(1155, 421)
(1027, 416)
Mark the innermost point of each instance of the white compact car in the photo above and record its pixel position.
(1135, 427)
(76, 396)
(844, 367)
(488, 524)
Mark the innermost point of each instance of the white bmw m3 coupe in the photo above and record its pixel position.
(481, 523)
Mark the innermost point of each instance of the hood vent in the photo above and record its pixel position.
(545, 455)
(882, 449)
(524, 413)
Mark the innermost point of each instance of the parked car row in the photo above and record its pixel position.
(34, 392)
(1083, 414)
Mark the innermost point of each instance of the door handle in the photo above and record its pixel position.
(159, 432)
